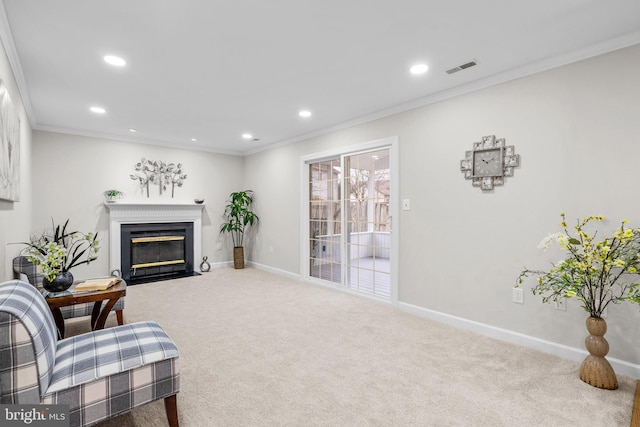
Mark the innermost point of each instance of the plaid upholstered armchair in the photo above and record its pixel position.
(99, 374)
(25, 270)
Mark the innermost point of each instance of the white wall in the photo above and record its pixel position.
(15, 217)
(577, 130)
(71, 172)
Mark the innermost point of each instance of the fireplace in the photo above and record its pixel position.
(157, 250)
(151, 252)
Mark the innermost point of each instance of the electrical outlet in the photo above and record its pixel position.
(518, 296)
(561, 304)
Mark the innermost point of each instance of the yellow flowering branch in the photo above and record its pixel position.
(597, 273)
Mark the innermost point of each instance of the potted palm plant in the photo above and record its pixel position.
(239, 215)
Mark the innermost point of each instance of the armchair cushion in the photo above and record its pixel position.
(122, 348)
(109, 372)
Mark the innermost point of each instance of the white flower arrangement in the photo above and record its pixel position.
(59, 251)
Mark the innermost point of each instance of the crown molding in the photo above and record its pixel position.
(114, 137)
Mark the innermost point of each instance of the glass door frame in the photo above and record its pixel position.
(390, 143)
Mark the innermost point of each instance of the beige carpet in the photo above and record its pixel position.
(258, 349)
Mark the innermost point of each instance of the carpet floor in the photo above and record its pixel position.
(259, 349)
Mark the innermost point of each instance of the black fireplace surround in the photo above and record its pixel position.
(156, 251)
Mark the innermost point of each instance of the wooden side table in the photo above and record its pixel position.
(98, 315)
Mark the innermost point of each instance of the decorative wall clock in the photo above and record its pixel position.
(489, 162)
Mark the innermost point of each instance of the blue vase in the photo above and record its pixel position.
(61, 282)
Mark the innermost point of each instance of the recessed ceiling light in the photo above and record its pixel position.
(97, 110)
(304, 113)
(247, 136)
(115, 60)
(419, 69)
(133, 130)
(194, 139)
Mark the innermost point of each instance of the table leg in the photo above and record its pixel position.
(95, 313)
(101, 316)
(57, 316)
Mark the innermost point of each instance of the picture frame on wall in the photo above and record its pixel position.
(9, 147)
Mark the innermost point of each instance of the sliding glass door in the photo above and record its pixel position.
(350, 221)
(325, 222)
(367, 222)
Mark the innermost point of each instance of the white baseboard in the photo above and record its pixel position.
(218, 265)
(620, 366)
(285, 273)
(278, 271)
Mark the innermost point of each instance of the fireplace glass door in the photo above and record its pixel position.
(156, 251)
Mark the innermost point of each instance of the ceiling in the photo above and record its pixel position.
(214, 70)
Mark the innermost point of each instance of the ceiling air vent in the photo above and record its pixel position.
(462, 67)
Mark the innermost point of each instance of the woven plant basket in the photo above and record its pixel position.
(238, 257)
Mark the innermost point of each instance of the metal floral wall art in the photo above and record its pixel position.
(158, 173)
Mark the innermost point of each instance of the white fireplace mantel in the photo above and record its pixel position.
(147, 213)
